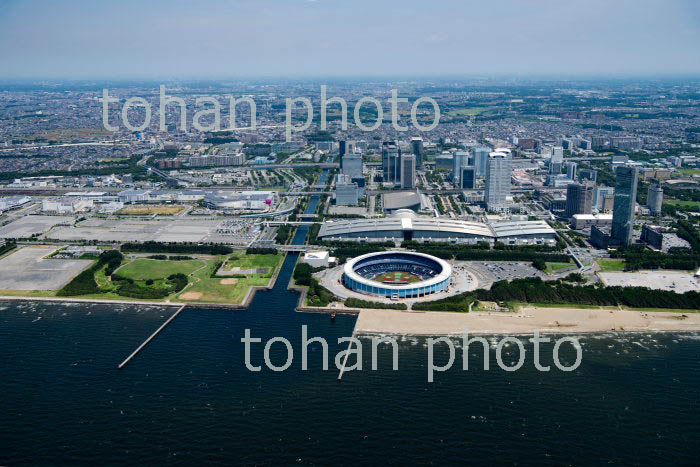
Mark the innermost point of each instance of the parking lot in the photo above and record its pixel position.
(27, 269)
(488, 272)
(27, 226)
(675, 281)
(159, 230)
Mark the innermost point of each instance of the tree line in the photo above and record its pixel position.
(535, 290)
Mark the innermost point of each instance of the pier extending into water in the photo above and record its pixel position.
(150, 338)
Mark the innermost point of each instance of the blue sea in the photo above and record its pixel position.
(188, 398)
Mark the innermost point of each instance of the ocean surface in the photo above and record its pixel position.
(188, 398)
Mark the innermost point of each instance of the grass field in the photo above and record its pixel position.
(468, 111)
(682, 204)
(611, 265)
(204, 288)
(245, 261)
(690, 171)
(397, 276)
(201, 287)
(143, 268)
(146, 210)
(554, 267)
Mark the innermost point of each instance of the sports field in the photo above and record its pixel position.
(394, 277)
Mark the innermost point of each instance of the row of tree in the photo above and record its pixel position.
(535, 290)
(190, 248)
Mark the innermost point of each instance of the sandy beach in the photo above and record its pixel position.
(526, 321)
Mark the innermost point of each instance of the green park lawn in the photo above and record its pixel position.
(681, 204)
(554, 267)
(611, 265)
(144, 268)
(246, 261)
(204, 288)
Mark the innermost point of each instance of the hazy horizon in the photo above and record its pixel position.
(216, 39)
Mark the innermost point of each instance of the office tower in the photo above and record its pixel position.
(481, 157)
(607, 203)
(344, 147)
(587, 174)
(598, 195)
(459, 159)
(557, 160)
(468, 178)
(655, 199)
(417, 147)
(444, 161)
(352, 165)
(571, 170)
(408, 171)
(391, 162)
(346, 191)
(579, 199)
(498, 171)
(623, 207)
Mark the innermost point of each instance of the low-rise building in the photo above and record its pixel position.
(318, 259)
(13, 202)
(653, 235)
(66, 205)
(584, 221)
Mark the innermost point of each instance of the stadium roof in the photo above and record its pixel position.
(443, 275)
(479, 229)
(521, 228)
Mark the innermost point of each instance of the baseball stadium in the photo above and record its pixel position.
(397, 274)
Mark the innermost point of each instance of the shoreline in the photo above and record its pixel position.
(528, 320)
(546, 320)
(190, 304)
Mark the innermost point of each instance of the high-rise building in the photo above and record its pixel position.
(623, 207)
(460, 159)
(344, 147)
(417, 147)
(352, 165)
(408, 171)
(557, 160)
(607, 203)
(481, 158)
(346, 191)
(571, 170)
(468, 178)
(391, 162)
(579, 199)
(498, 171)
(598, 195)
(587, 174)
(655, 199)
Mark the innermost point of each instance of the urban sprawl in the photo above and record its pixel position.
(568, 193)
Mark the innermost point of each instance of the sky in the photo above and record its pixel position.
(124, 39)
